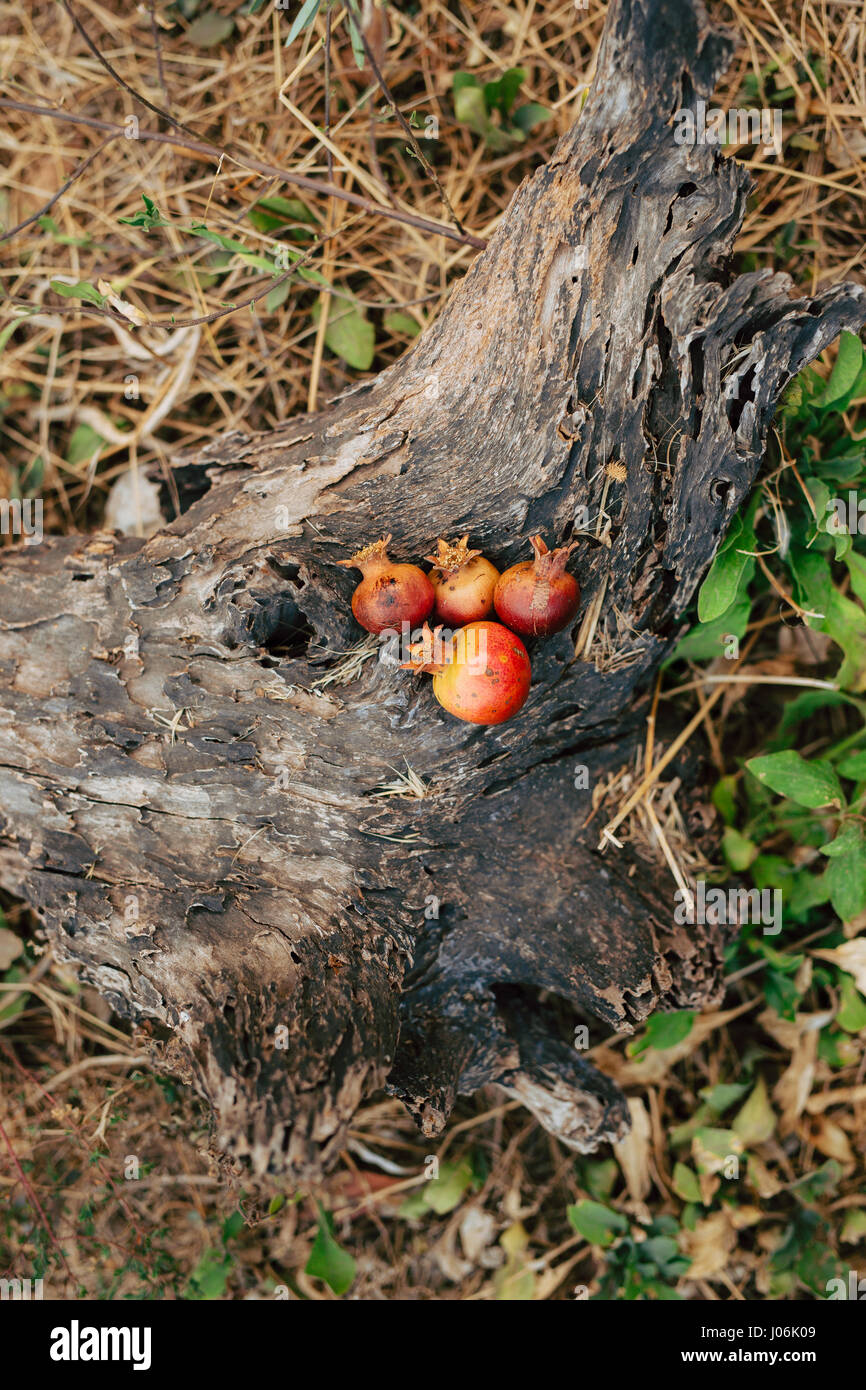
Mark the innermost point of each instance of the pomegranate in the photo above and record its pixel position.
(538, 597)
(464, 582)
(481, 674)
(389, 594)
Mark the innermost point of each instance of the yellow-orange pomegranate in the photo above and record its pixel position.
(481, 674)
(464, 582)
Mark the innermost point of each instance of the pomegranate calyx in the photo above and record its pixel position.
(452, 557)
(422, 654)
(369, 557)
(550, 563)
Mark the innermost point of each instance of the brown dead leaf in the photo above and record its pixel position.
(787, 1032)
(10, 947)
(794, 1086)
(762, 1180)
(850, 957)
(633, 1153)
(831, 1140)
(710, 1245)
(654, 1064)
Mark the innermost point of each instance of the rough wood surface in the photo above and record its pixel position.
(196, 821)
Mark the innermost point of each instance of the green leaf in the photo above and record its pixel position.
(712, 1148)
(599, 1176)
(724, 798)
(719, 589)
(720, 1097)
(527, 117)
(470, 109)
(401, 325)
(306, 14)
(756, 1121)
(851, 1014)
(446, 1192)
(147, 220)
(50, 226)
(853, 766)
(269, 214)
(802, 707)
(9, 328)
(857, 569)
(237, 248)
(845, 875)
(813, 579)
(232, 1226)
(277, 297)
(209, 1278)
(820, 1183)
(686, 1184)
(722, 584)
(813, 784)
(33, 476)
(463, 79)
(84, 443)
(83, 290)
(706, 641)
(848, 838)
(739, 851)
(328, 1260)
(854, 1226)
(355, 39)
(502, 93)
(845, 622)
(596, 1223)
(210, 29)
(846, 370)
(349, 335)
(666, 1030)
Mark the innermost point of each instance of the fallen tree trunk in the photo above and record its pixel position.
(196, 820)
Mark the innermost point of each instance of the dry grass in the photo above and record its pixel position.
(78, 1112)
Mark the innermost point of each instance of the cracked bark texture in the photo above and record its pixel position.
(195, 821)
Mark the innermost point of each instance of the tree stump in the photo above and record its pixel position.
(195, 819)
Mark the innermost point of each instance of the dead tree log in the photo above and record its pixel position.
(194, 819)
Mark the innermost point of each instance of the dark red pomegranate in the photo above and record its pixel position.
(538, 597)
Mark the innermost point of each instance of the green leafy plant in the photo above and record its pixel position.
(328, 1260)
(488, 109)
(800, 534)
(644, 1265)
(443, 1193)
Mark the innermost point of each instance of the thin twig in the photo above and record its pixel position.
(116, 77)
(46, 207)
(256, 166)
(403, 123)
(328, 152)
(173, 323)
(157, 44)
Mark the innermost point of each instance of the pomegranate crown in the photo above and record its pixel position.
(452, 557)
(430, 654)
(550, 563)
(374, 553)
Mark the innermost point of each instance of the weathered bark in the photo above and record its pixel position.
(234, 874)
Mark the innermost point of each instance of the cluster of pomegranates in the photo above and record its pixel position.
(481, 671)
